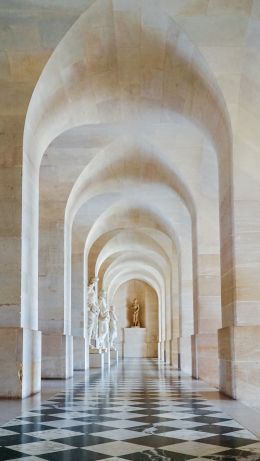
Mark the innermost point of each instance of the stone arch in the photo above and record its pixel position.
(40, 131)
(190, 90)
(147, 274)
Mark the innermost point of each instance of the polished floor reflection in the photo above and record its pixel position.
(137, 411)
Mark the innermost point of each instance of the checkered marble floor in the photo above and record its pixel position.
(138, 411)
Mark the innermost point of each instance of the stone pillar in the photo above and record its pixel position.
(205, 362)
(207, 319)
(20, 362)
(57, 356)
(20, 342)
(239, 353)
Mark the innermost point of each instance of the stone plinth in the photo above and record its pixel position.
(239, 355)
(107, 357)
(20, 362)
(135, 342)
(184, 346)
(205, 362)
(80, 346)
(57, 356)
(114, 356)
(96, 359)
(160, 349)
(168, 351)
(175, 353)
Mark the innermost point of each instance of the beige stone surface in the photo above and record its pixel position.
(57, 356)
(140, 155)
(20, 360)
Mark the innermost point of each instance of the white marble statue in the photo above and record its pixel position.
(113, 329)
(103, 322)
(93, 311)
(136, 309)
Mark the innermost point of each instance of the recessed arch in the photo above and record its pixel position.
(58, 104)
(74, 94)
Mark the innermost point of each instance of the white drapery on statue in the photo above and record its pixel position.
(113, 328)
(93, 312)
(103, 322)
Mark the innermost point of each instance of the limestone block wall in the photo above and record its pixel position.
(223, 35)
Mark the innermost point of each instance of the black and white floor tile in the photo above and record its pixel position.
(133, 412)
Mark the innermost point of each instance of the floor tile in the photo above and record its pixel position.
(73, 455)
(118, 434)
(234, 455)
(224, 440)
(253, 448)
(195, 448)
(28, 458)
(82, 440)
(120, 424)
(4, 432)
(15, 422)
(66, 423)
(230, 423)
(118, 448)
(155, 441)
(157, 455)
(113, 459)
(183, 424)
(17, 439)
(39, 448)
(186, 434)
(52, 434)
(242, 434)
(9, 454)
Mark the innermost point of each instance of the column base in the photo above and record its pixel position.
(57, 356)
(175, 353)
(185, 357)
(96, 359)
(107, 357)
(114, 356)
(168, 345)
(20, 362)
(161, 351)
(240, 362)
(205, 362)
(80, 346)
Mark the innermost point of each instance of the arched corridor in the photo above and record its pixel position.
(130, 193)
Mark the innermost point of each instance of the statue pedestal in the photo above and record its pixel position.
(107, 357)
(96, 359)
(135, 342)
(114, 356)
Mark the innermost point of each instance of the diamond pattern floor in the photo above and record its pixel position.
(134, 412)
